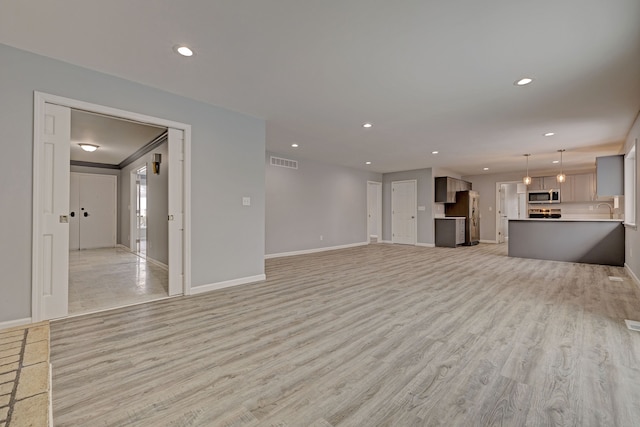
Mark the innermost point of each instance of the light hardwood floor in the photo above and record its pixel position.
(100, 279)
(379, 335)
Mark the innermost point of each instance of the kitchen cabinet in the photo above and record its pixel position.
(610, 175)
(543, 183)
(536, 184)
(450, 231)
(578, 188)
(447, 187)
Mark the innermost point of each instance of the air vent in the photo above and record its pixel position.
(615, 279)
(284, 163)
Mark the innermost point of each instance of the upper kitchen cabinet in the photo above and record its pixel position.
(610, 175)
(447, 187)
(578, 188)
(543, 183)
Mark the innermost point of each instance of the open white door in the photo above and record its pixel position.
(52, 220)
(176, 211)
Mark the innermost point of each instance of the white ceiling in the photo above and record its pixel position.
(117, 139)
(430, 75)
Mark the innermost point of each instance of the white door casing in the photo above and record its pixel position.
(403, 212)
(93, 202)
(176, 212)
(51, 201)
(374, 210)
(50, 257)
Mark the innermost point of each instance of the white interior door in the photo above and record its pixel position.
(502, 213)
(374, 210)
(74, 212)
(176, 211)
(403, 212)
(97, 201)
(51, 257)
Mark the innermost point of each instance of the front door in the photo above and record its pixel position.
(403, 212)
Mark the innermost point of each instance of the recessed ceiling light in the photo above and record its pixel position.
(556, 161)
(89, 147)
(367, 125)
(549, 134)
(367, 163)
(485, 169)
(434, 152)
(523, 81)
(295, 145)
(183, 50)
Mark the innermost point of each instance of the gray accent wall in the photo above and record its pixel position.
(227, 240)
(632, 236)
(424, 188)
(317, 199)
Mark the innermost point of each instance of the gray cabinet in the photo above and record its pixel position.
(450, 232)
(447, 187)
(610, 175)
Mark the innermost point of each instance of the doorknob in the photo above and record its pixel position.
(86, 214)
(72, 214)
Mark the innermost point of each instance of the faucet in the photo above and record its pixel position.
(607, 205)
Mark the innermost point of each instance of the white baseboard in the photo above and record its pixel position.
(492, 242)
(227, 284)
(426, 245)
(632, 274)
(386, 241)
(13, 323)
(312, 251)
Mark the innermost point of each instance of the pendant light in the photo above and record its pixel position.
(561, 177)
(527, 178)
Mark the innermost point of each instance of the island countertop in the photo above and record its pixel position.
(568, 219)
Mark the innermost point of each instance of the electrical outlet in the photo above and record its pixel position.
(321, 237)
(246, 201)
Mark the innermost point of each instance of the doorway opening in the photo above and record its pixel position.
(141, 210)
(511, 203)
(54, 210)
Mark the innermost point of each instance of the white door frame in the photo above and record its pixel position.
(415, 213)
(133, 202)
(378, 186)
(40, 99)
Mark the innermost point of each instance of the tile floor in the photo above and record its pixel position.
(24, 376)
(100, 279)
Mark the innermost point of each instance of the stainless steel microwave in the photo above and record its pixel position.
(544, 196)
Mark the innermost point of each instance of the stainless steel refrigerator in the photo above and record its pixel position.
(467, 205)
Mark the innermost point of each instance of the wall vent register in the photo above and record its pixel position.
(284, 163)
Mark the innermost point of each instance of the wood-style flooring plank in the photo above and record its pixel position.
(381, 335)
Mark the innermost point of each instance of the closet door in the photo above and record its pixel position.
(93, 203)
(74, 209)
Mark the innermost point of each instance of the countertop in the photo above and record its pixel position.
(567, 220)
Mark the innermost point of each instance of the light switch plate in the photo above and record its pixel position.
(246, 201)
(422, 208)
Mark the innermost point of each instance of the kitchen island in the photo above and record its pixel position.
(592, 241)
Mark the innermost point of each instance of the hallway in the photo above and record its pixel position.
(100, 279)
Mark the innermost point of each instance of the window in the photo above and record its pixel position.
(630, 186)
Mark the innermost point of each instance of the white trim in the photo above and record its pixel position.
(313, 251)
(632, 274)
(493, 242)
(40, 98)
(227, 284)
(426, 245)
(50, 409)
(13, 323)
(386, 241)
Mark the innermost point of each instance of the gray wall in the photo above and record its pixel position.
(424, 188)
(157, 204)
(632, 237)
(227, 163)
(317, 199)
